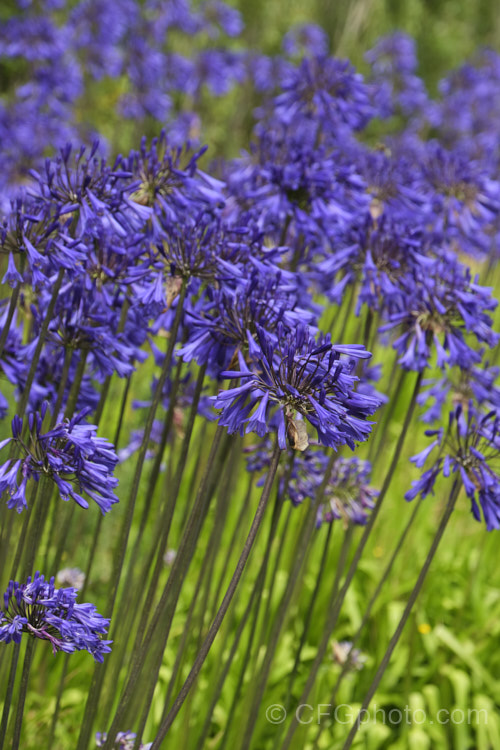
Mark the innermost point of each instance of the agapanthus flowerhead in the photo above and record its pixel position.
(305, 39)
(291, 186)
(470, 447)
(123, 741)
(13, 361)
(71, 455)
(38, 609)
(86, 319)
(263, 295)
(197, 250)
(343, 650)
(469, 103)
(377, 254)
(170, 181)
(219, 17)
(327, 90)
(460, 386)
(348, 496)
(440, 312)
(394, 64)
(27, 240)
(87, 194)
(308, 381)
(462, 197)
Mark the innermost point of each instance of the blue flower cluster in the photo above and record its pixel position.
(348, 495)
(36, 608)
(70, 455)
(307, 380)
(311, 211)
(123, 741)
(469, 448)
(63, 51)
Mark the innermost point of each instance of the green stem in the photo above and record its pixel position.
(255, 595)
(60, 692)
(335, 610)
(214, 629)
(75, 387)
(232, 545)
(35, 530)
(409, 605)
(267, 619)
(8, 696)
(165, 609)
(119, 555)
(10, 314)
(347, 313)
(129, 609)
(214, 545)
(272, 642)
(206, 573)
(341, 563)
(380, 433)
(368, 610)
(28, 658)
(107, 382)
(39, 345)
(63, 537)
(21, 542)
(68, 356)
(155, 473)
(309, 614)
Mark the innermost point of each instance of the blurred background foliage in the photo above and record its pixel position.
(447, 33)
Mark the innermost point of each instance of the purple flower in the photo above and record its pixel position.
(12, 275)
(294, 188)
(38, 609)
(476, 382)
(469, 103)
(88, 195)
(71, 455)
(216, 13)
(462, 196)
(379, 254)
(349, 496)
(327, 90)
(13, 362)
(394, 64)
(440, 310)
(123, 741)
(470, 447)
(305, 39)
(306, 380)
(226, 321)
